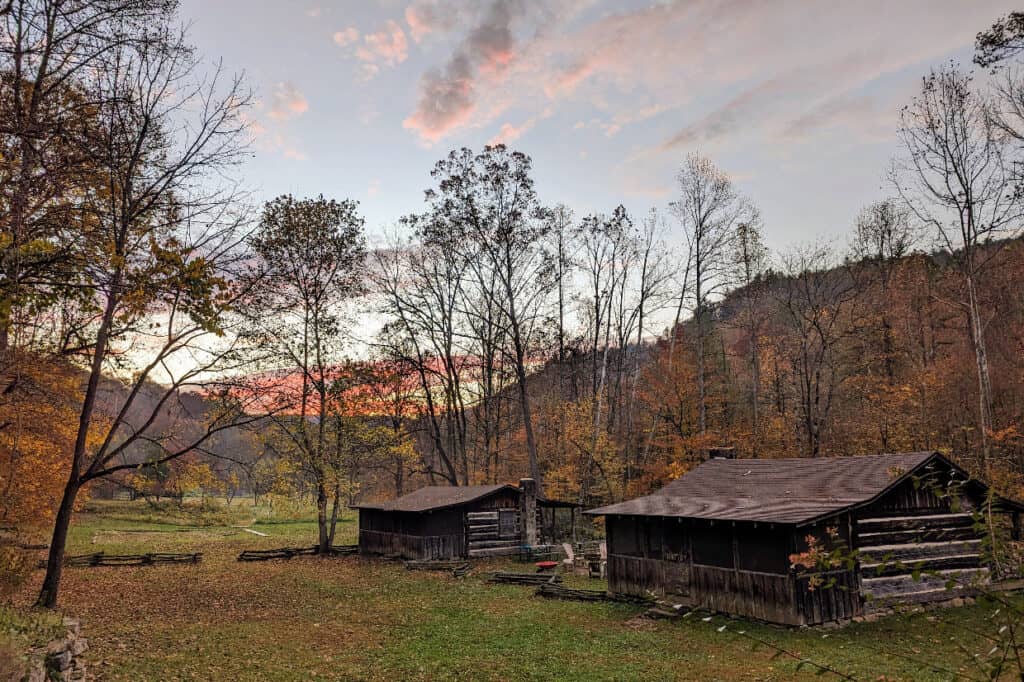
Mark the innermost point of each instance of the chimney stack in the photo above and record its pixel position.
(722, 452)
(528, 510)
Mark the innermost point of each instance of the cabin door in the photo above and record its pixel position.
(676, 562)
(507, 524)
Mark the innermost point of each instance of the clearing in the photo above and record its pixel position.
(348, 618)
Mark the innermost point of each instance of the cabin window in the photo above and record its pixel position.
(506, 523)
(652, 538)
(712, 546)
(673, 541)
(623, 537)
(762, 549)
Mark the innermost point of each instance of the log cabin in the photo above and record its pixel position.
(452, 522)
(728, 536)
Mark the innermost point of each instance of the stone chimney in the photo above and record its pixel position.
(528, 510)
(722, 452)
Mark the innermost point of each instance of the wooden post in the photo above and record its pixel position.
(572, 523)
(1015, 531)
(528, 502)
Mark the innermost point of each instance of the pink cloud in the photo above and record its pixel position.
(388, 45)
(286, 102)
(510, 133)
(448, 96)
(346, 36)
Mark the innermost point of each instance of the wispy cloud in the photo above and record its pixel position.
(346, 36)
(286, 102)
(448, 96)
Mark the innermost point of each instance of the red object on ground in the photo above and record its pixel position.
(545, 565)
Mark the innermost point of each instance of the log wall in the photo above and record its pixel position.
(425, 547)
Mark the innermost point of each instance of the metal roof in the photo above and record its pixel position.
(791, 491)
(435, 497)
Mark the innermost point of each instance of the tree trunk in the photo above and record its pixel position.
(334, 518)
(321, 516)
(977, 329)
(55, 559)
(701, 384)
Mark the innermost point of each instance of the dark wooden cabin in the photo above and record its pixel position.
(450, 522)
(721, 537)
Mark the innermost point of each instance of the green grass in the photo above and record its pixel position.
(355, 619)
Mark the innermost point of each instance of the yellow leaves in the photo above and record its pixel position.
(40, 418)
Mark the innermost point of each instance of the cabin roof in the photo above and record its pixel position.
(791, 491)
(434, 497)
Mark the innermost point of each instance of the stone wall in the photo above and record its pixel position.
(62, 658)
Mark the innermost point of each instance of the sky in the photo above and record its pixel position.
(798, 101)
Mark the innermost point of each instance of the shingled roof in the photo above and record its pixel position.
(791, 491)
(434, 497)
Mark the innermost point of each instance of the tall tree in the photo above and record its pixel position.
(709, 210)
(160, 266)
(954, 175)
(751, 258)
(485, 206)
(310, 255)
(47, 129)
(819, 305)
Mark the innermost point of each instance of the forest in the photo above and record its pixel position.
(165, 335)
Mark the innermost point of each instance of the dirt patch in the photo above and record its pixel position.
(145, 536)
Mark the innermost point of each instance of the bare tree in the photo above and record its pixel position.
(882, 237)
(955, 178)
(709, 210)
(420, 288)
(819, 305)
(486, 208)
(751, 258)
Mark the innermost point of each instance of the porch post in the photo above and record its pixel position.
(528, 510)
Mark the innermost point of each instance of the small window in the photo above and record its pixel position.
(713, 546)
(507, 523)
(622, 536)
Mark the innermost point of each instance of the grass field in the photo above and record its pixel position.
(356, 619)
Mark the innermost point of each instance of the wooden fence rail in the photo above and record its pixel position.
(102, 559)
(289, 552)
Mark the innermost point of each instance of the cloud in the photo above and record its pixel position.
(388, 46)
(346, 36)
(286, 102)
(267, 125)
(712, 71)
(431, 16)
(510, 133)
(448, 96)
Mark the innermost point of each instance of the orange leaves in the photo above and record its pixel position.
(39, 418)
